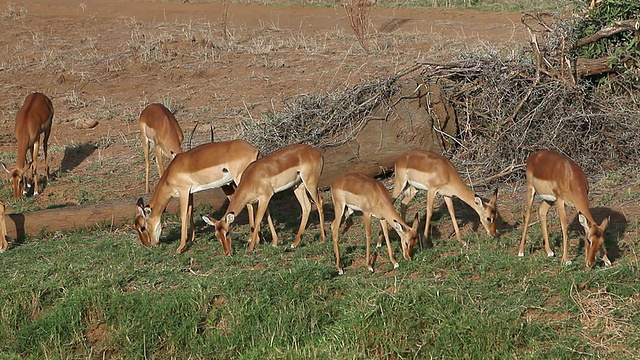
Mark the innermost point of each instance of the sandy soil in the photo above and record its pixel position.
(106, 60)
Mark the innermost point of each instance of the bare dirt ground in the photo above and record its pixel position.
(105, 61)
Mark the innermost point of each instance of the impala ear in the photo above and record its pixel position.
(398, 227)
(494, 198)
(604, 223)
(583, 221)
(416, 221)
(139, 206)
(209, 221)
(230, 218)
(478, 200)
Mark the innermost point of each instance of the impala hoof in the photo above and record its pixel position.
(567, 263)
(396, 265)
(551, 254)
(521, 254)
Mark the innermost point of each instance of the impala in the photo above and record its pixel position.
(360, 192)
(34, 118)
(159, 127)
(207, 166)
(3, 230)
(421, 170)
(295, 166)
(557, 179)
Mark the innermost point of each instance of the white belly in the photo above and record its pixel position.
(417, 185)
(227, 179)
(549, 198)
(289, 185)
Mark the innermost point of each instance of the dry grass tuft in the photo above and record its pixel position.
(606, 319)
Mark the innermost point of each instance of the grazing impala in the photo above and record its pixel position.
(359, 192)
(557, 179)
(421, 170)
(34, 118)
(3, 230)
(294, 166)
(207, 166)
(159, 127)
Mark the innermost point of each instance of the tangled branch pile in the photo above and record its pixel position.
(507, 107)
(319, 120)
(545, 98)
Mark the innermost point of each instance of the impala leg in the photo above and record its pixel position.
(145, 147)
(317, 199)
(565, 232)
(366, 217)
(452, 213)
(184, 211)
(159, 159)
(543, 210)
(335, 227)
(45, 148)
(527, 215)
(408, 194)
(430, 199)
(272, 229)
(190, 215)
(385, 232)
(263, 203)
(34, 166)
(305, 204)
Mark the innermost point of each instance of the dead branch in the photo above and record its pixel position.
(617, 27)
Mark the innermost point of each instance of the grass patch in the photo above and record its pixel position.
(84, 294)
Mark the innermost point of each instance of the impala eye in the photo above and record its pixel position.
(490, 220)
(142, 228)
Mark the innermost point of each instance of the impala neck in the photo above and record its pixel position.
(21, 159)
(159, 200)
(464, 193)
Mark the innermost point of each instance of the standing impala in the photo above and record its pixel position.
(159, 127)
(421, 170)
(557, 179)
(34, 118)
(3, 230)
(359, 192)
(295, 166)
(207, 166)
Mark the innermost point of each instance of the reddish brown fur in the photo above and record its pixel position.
(373, 199)
(158, 125)
(220, 163)
(298, 166)
(552, 174)
(3, 229)
(34, 118)
(438, 175)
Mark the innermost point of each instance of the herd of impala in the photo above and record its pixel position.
(250, 181)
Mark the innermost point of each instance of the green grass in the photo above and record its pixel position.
(100, 293)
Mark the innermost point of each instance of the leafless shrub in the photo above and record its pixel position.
(358, 15)
(319, 120)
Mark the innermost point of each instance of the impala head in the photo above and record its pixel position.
(223, 230)
(488, 213)
(148, 231)
(595, 237)
(408, 237)
(19, 180)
